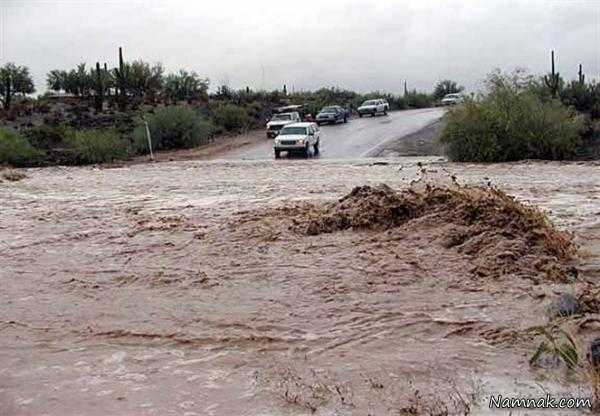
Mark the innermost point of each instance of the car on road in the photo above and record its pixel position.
(278, 121)
(373, 107)
(298, 138)
(332, 114)
(452, 99)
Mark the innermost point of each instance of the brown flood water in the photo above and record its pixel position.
(146, 290)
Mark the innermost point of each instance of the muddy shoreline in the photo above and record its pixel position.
(145, 290)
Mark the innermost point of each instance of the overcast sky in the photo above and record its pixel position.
(358, 44)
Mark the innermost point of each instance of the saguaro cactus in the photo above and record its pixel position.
(581, 75)
(552, 80)
(99, 89)
(121, 75)
(107, 83)
(405, 89)
(284, 89)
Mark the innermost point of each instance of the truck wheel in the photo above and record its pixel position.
(384, 112)
(359, 115)
(374, 113)
(345, 119)
(316, 148)
(306, 152)
(277, 154)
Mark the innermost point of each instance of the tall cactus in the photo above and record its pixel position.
(99, 89)
(284, 89)
(121, 75)
(552, 80)
(581, 76)
(405, 89)
(108, 83)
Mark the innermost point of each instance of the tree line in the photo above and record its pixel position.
(138, 80)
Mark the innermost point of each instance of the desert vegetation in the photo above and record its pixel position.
(96, 114)
(16, 150)
(520, 116)
(446, 86)
(174, 127)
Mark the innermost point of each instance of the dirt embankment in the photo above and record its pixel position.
(220, 145)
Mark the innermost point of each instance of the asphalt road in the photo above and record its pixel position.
(360, 137)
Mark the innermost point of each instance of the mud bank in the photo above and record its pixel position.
(258, 288)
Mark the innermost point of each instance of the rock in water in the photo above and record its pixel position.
(565, 305)
(595, 353)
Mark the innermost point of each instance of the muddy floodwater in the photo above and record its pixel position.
(164, 290)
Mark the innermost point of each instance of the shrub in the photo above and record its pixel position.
(15, 150)
(46, 136)
(231, 117)
(419, 100)
(511, 123)
(446, 87)
(94, 146)
(172, 128)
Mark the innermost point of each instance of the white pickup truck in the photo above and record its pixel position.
(373, 107)
(278, 121)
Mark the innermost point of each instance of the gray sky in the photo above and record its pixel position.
(357, 44)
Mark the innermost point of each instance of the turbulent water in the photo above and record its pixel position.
(161, 289)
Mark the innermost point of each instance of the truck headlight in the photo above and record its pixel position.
(300, 141)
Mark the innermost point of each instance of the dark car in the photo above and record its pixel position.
(332, 114)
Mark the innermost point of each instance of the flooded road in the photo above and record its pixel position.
(358, 138)
(165, 290)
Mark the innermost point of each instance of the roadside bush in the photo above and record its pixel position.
(511, 123)
(46, 136)
(94, 146)
(419, 100)
(15, 150)
(173, 128)
(231, 117)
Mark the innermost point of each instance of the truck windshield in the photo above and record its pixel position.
(328, 110)
(293, 130)
(282, 117)
(372, 102)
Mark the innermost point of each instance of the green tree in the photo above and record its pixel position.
(84, 80)
(14, 79)
(56, 80)
(446, 87)
(186, 86)
(145, 80)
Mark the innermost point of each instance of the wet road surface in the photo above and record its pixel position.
(358, 138)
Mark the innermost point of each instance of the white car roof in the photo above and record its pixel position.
(302, 124)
